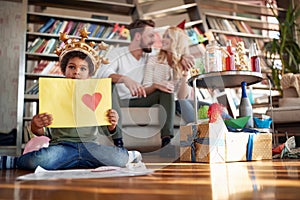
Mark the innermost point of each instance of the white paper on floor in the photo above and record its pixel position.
(133, 169)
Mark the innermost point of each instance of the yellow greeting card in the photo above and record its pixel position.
(75, 102)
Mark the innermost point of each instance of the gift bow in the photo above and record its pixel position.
(193, 139)
(190, 142)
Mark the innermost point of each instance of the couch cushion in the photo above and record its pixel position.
(144, 116)
(290, 84)
(287, 102)
(141, 128)
(285, 114)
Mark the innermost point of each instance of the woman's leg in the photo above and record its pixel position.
(186, 110)
(186, 107)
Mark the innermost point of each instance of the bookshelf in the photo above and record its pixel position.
(42, 38)
(237, 21)
(172, 13)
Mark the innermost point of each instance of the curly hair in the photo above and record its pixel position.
(72, 54)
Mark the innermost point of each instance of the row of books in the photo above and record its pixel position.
(46, 67)
(41, 45)
(229, 25)
(233, 26)
(54, 26)
(222, 39)
(46, 46)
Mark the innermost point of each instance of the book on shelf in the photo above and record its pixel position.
(51, 44)
(220, 25)
(41, 47)
(57, 28)
(229, 26)
(93, 34)
(54, 26)
(48, 68)
(40, 66)
(63, 26)
(34, 47)
(113, 31)
(52, 68)
(45, 27)
(247, 27)
(31, 45)
(79, 27)
(33, 89)
(45, 67)
(69, 27)
(212, 23)
(74, 28)
(100, 31)
(233, 26)
(91, 29)
(108, 30)
(239, 26)
(100, 35)
(55, 70)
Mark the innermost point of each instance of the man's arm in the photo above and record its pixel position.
(165, 86)
(135, 88)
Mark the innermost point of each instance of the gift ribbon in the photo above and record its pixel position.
(190, 142)
(193, 138)
(250, 146)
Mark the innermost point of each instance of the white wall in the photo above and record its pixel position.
(11, 34)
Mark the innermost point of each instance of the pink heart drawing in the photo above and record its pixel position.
(92, 101)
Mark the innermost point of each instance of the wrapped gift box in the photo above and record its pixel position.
(212, 143)
(203, 142)
(262, 147)
(236, 146)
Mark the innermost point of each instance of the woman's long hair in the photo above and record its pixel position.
(179, 47)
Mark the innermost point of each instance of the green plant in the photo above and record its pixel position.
(286, 46)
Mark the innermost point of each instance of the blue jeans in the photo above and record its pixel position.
(185, 107)
(66, 155)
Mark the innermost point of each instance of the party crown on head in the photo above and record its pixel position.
(74, 44)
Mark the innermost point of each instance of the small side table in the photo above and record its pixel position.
(221, 80)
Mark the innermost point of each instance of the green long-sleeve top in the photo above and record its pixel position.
(81, 134)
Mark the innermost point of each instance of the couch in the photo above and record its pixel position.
(141, 129)
(286, 117)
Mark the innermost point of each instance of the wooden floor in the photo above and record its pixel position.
(269, 179)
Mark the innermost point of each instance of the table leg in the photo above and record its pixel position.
(195, 102)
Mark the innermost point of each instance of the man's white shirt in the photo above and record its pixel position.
(122, 62)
